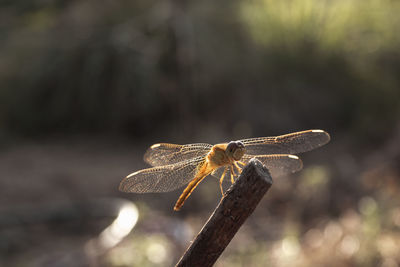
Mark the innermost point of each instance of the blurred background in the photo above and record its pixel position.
(87, 86)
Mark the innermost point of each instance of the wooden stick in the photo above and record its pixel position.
(239, 202)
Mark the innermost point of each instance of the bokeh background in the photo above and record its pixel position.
(87, 86)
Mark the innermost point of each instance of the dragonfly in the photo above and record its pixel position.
(174, 166)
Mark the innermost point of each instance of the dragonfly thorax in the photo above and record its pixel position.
(225, 154)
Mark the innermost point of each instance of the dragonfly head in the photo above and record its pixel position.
(235, 149)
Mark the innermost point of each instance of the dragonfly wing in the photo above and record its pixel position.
(226, 182)
(278, 164)
(292, 143)
(165, 154)
(162, 178)
(217, 173)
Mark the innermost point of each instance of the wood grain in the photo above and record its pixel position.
(239, 202)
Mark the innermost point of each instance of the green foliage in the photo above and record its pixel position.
(156, 66)
(341, 48)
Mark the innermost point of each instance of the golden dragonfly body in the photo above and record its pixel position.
(177, 165)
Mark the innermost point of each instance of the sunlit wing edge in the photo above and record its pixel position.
(278, 164)
(292, 143)
(166, 153)
(161, 178)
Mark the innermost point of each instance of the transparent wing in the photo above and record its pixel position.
(226, 183)
(217, 173)
(292, 143)
(164, 154)
(162, 178)
(278, 164)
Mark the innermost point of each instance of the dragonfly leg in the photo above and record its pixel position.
(221, 180)
(233, 174)
(238, 167)
(241, 163)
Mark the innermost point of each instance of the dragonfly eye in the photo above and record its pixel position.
(231, 147)
(239, 150)
(240, 144)
(235, 150)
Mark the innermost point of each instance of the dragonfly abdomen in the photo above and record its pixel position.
(203, 172)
